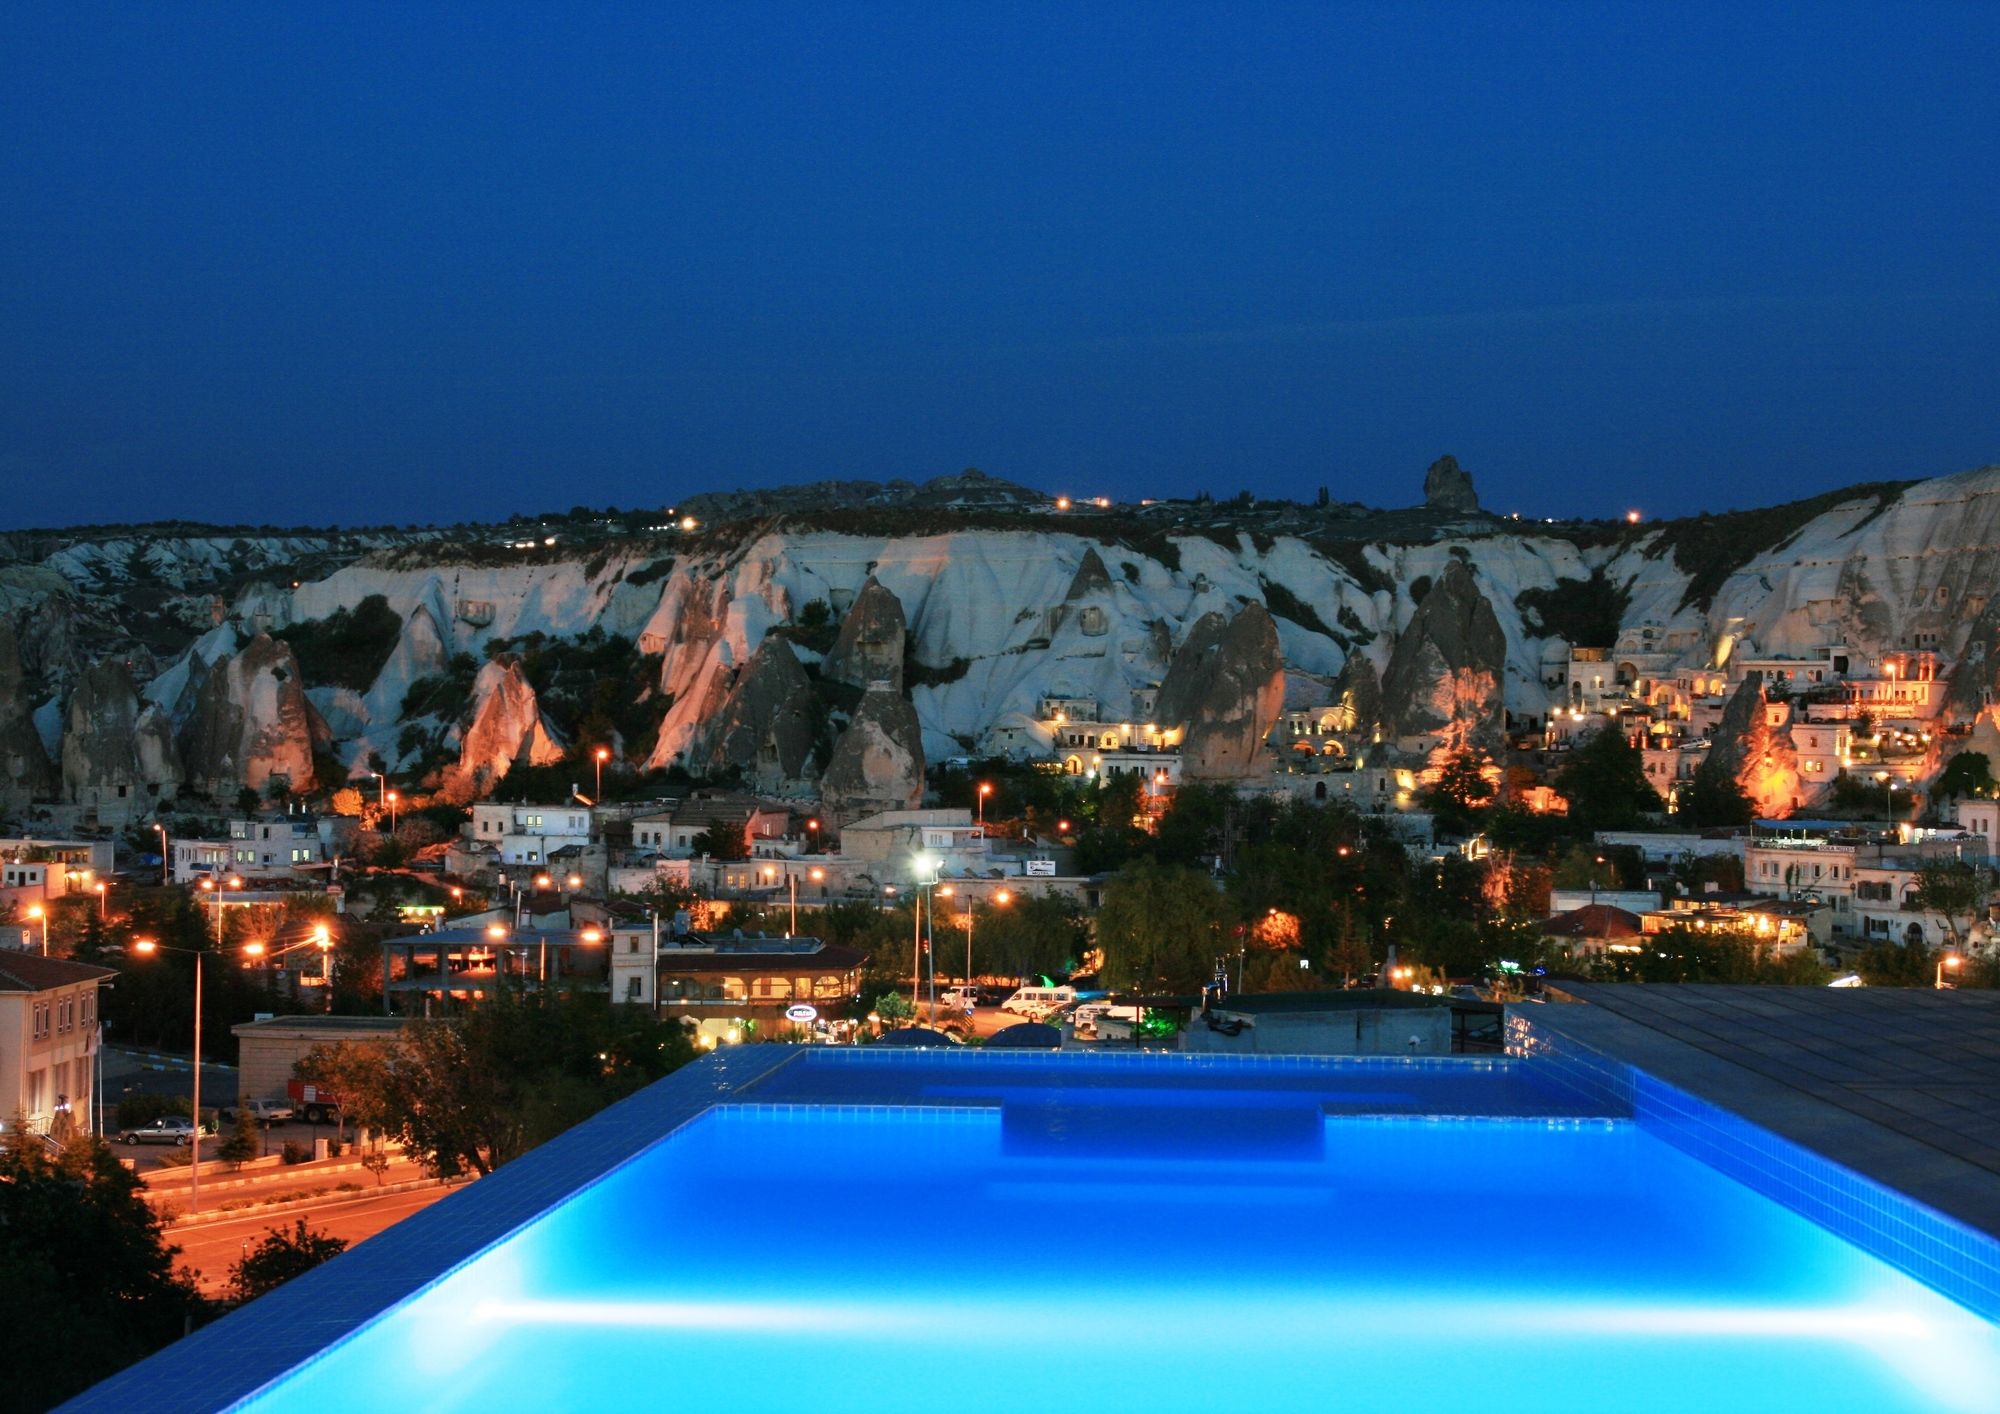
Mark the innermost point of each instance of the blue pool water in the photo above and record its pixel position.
(932, 1234)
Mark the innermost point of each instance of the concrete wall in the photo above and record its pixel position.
(1356, 1032)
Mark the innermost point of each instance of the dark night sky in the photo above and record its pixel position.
(361, 264)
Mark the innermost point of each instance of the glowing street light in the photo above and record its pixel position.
(36, 911)
(103, 900)
(602, 754)
(812, 827)
(985, 789)
(1946, 960)
(392, 812)
(148, 947)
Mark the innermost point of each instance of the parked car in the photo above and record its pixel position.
(1039, 1003)
(267, 1112)
(960, 998)
(168, 1129)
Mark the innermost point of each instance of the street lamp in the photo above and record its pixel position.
(166, 870)
(147, 947)
(1950, 960)
(392, 812)
(103, 901)
(323, 936)
(602, 754)
(813, 827)
(36, 911)
(924, 864)
(1888, 798)
(985, 789)
(381, 789)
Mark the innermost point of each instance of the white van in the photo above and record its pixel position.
(1038, 1002)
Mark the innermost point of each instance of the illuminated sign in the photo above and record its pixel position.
(801, 1013)
(1042, 868)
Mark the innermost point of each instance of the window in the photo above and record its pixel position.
(302, 856)
(41, 1021)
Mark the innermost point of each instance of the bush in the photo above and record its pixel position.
(347, 648)
(294, 1153)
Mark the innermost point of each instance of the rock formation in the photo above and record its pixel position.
(1448, 487)
(25, 770)
(1753, 746)
(767, 725)
(1357, 696)
(1226, 688)
(505, 725)
(112, 747)
(878, 762)
(872, 636)
(1444, 677)
(252, 723)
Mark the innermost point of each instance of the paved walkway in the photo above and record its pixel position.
(1901, 1084)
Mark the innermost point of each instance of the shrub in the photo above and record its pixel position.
(294, 1153)
(348, 647)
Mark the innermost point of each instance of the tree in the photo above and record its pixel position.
(1035, 935)
(1967, 773)
(1715, 797)
(243, 1143)
(722, 840)
(376, 1161)
(471, 1092)
(1160, 928)
(1958, 893)
(1460, 793)
(279, 1257)
(894, 1008)
(1604, 782)
(81, 1252)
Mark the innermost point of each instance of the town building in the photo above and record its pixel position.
(673, 832)
(1818, 860)
(722, 981)
(261, 847)
(49, 1041)
(1783, 925)
(459, 965)
(528, 834)
(887, 845)
(40, 871)
(268, 1050)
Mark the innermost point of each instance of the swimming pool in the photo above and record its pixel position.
(849, 1230)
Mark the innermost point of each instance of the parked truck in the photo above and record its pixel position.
(314, 1103)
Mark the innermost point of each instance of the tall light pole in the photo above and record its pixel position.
(381, 790)
(146, 947)
(1949, 959)
(392, 812)
(36, 911)
(919, 883)
(812, 829)
(1888, 799)
(166, 864)
(985, 789)
(602, 754)
(324, 937)
(103, 902)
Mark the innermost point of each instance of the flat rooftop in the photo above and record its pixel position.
(1899, 1084)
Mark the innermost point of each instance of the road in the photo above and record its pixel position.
(210, 1249)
